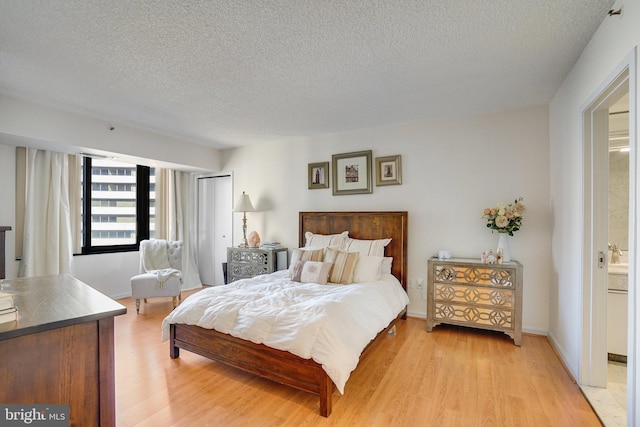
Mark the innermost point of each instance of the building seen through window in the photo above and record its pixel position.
(120, 211)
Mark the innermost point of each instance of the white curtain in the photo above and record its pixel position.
(176, 218)
(47, 238)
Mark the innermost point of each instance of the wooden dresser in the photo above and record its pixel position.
(467, 292)
(243, 263)
(60, 351)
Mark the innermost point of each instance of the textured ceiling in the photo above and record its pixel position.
(231, 72)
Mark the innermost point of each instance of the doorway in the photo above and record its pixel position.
(594, 366)
(215, 206)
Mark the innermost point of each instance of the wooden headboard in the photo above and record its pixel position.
(366, 226)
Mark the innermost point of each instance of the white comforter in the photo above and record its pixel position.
(331, 324)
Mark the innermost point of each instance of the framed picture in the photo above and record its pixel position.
(389, 170)
(318, 175)
(352, 173)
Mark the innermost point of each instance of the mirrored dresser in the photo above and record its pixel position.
(466, 292)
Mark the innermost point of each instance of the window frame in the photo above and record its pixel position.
(143, 178)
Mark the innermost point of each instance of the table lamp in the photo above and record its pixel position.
(244, 205)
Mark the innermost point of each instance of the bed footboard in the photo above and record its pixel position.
(277, 365)
(258, 359)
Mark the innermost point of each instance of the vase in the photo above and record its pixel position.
(503, 243)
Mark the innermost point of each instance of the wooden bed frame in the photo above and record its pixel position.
(282, 366)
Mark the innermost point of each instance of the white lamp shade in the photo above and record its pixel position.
(244, 204)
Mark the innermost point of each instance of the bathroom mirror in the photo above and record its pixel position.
(619, 179)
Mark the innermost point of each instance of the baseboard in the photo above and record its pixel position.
(533, 331)
(417, 314)
(120, 296)
(562, 356)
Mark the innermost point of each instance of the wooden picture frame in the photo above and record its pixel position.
(352, 173)
(389, 170)
(318, 175)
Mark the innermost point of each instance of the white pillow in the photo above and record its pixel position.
(368, 269)
(324, 240)
(387, 262)
(366, 247)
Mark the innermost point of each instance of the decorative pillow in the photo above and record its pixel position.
(311, 272)
(344, 265)
(307, 254)
(387, 262)
(366, 247)
(367, 269)
(301, 254)
(325, 240)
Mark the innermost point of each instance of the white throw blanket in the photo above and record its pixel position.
(155, 259)
(330, 324)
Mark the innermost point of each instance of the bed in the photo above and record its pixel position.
(283, 366)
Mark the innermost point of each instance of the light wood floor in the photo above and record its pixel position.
(449, 377)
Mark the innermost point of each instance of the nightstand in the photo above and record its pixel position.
(467, 292)
(243, 263)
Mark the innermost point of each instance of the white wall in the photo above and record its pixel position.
(451, 171)
(613, 41)
(28, 124)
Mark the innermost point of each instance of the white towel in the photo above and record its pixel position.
(155, 259)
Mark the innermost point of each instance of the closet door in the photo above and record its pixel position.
(215, 206)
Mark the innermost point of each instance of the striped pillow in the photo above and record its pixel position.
(344, 265)
(366, 247)
(307, 254)
(301, 254)
(325, 240)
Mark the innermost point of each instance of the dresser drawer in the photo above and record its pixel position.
(246, 270)
(474, 315)
(249, 257)
(475, 295)
(243, 263)
(475, 275)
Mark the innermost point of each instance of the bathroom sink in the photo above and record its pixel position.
(622, 268)
(618, 277)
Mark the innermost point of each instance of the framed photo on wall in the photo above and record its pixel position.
(389, 170)
(318, 175)
(352, 173)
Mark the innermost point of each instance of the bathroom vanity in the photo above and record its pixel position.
(617, 309)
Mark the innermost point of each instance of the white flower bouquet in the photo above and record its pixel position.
(505, 218)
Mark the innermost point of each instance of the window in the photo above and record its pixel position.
(118, 205)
